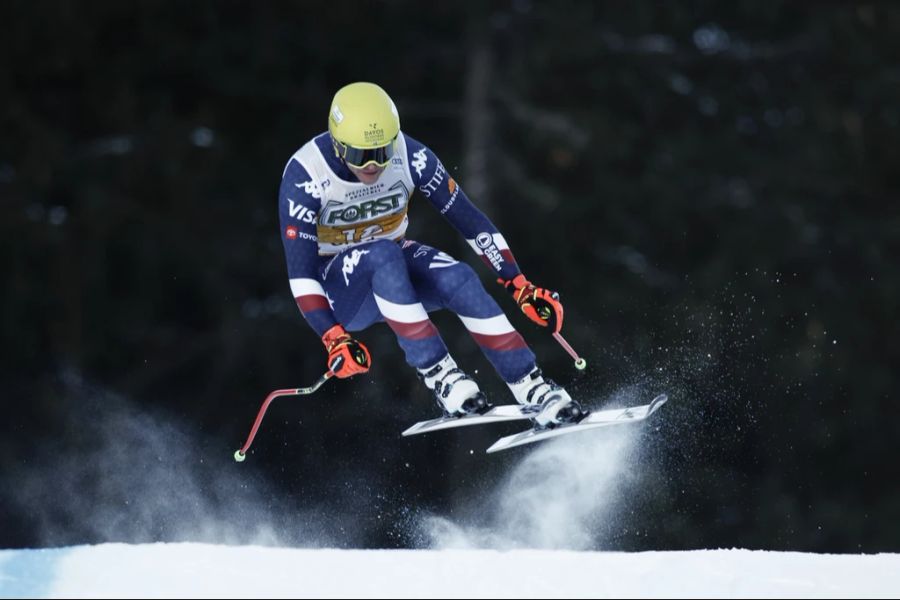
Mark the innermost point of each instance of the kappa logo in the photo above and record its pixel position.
(351, 261)
(419, 161)
(310, 187)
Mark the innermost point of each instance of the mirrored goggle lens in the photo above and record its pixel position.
(360, 157)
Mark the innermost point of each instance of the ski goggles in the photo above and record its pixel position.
(361, 157)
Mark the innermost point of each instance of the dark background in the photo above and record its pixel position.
(712, 187)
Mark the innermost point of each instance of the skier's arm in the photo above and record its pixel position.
(539, 304)
(299, 201)
(298, 207)
(442, 191)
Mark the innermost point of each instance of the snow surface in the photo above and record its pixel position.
(189, 570)
(547, 527)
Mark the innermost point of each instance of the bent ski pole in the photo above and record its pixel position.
(241, 454)
(580, 363)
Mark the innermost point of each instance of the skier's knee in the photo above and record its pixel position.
(455, 280)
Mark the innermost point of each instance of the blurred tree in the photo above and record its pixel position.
(711, 188)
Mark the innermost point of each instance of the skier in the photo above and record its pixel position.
(343, 209)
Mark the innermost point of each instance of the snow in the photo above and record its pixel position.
(546, 528)
(191, 570)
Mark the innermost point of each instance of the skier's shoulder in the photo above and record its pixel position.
(413, 147)
(422, 161)
(304, 161)
(302, 177)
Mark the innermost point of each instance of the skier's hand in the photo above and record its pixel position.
(346, 356)
(540, 305)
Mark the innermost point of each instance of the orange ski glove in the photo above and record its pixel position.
(346, 356)
(540, 305)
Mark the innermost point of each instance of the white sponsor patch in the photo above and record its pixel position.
(485, 244)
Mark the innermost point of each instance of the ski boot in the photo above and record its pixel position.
(549, 403)
(456, 393)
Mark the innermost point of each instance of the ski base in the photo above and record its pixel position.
(601, 418)
(504, 412)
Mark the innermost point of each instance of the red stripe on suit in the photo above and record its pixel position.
(413, 331)
(312, 302)
(504, 341)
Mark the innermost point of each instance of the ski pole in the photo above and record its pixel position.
(580, 363)
(241, 454)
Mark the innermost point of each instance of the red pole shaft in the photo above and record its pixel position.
(262, 413)
(562, 342)
(268, 401)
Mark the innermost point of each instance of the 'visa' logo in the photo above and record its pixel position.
(301, 213)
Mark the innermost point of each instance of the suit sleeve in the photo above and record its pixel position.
(299, 201)
(442, 191)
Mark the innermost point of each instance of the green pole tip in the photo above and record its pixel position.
(580, 364)
(238, 456)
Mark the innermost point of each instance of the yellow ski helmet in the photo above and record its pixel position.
(363, 123)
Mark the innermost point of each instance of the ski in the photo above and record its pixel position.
(504, 412)
(595, 419)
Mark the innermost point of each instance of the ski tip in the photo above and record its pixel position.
(411, 431)
(422, 427)
(656, 403)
